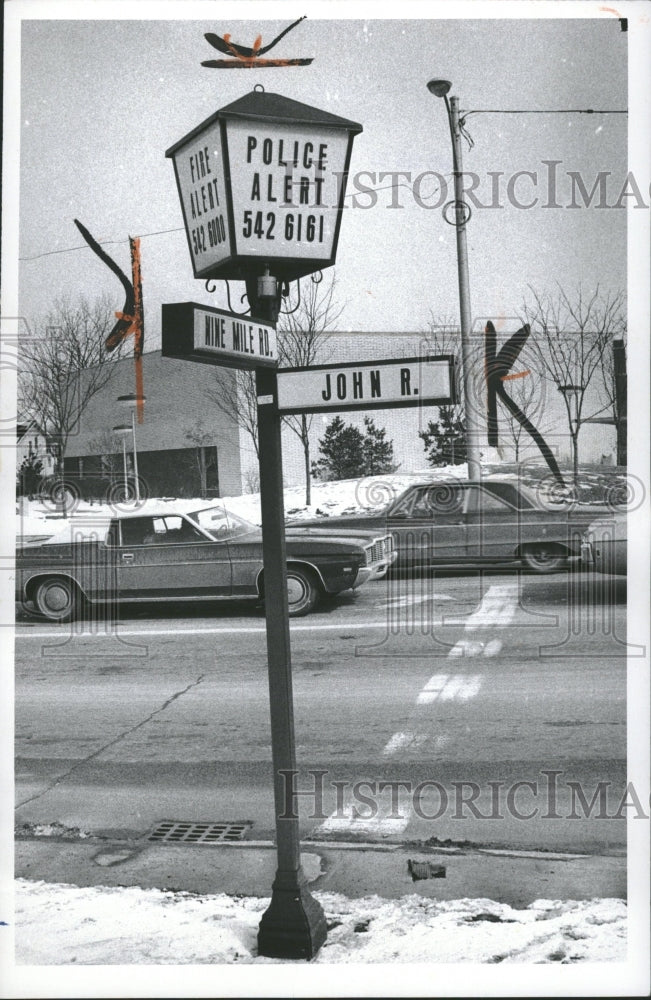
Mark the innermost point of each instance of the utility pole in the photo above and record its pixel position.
(440, 88)
(621, 421)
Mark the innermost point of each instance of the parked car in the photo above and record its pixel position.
(188, 555)
(605, 544)
(497, 522)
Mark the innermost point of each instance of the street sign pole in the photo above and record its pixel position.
(262, 186)
(294, 925)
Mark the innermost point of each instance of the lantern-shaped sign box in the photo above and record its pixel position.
(262, 182)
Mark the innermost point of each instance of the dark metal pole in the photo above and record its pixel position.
(294, 925)
(620, 408)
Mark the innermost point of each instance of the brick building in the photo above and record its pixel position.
(186, 445)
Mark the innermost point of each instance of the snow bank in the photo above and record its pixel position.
(348, 496)
(64, 924)
(345, 496)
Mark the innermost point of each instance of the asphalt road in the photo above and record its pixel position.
(457, 707)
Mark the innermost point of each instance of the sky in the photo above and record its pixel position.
(102, 100)
(106, 88)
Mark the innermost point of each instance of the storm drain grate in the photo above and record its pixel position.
(173, 832)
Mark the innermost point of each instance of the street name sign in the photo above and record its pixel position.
(368, 385)
(200, 333)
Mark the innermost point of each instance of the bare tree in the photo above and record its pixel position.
(302, 341)
(202, 440)
(65, 365)
(108, 447)
(574, 333)
(525, 394)
(444, 337)
(237, 398)
(302, 337)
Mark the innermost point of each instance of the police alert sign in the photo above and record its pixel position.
(285, 191)
(369, 385)
(262, 182)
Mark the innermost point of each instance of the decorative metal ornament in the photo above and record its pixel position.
(131, 319)
(498, 366)
(248, 58)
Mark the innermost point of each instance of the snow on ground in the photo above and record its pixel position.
(37, 519)
(63, 924)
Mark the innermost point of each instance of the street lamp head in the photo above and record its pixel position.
(122, 429)
(571, 390)
(131, 399)
(439, 87)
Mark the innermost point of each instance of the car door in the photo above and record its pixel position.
(493, 526)
(168, 556)
(429, 525)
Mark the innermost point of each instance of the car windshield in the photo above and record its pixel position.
(221, 523)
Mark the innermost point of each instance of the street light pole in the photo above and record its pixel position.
(135, 456)
(123, 430)
(440, 88)
(132, 401)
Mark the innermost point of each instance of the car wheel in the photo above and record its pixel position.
(302, 592)
(57, 599)
(544, 558)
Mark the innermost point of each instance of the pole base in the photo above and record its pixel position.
(294, 925)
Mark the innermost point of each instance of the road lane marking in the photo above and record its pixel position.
(221, 630)
(408, 599)
(460, 687)
(400, 741)
(389, 813)
(494, 604)
(472, 647)
(414, 741)
(497, 609)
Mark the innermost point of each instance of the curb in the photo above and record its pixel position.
(354, 870)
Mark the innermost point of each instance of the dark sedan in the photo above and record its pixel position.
(168, 555)
(460, 523)
(605, 544)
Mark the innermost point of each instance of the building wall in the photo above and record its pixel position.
(176, 405)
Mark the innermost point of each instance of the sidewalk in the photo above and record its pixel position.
(247, 868)
(95, 901)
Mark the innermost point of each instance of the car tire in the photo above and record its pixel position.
(544, 558)
(302, 591)
(57, 599)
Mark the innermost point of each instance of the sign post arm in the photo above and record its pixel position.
(294, 925)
